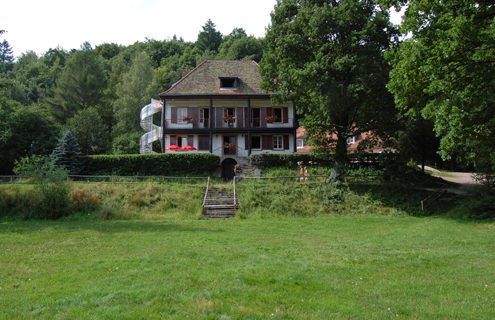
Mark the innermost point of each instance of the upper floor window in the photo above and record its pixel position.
(182, 115)
(351, 140)
(229, 83)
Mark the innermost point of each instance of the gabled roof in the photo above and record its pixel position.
(205, 79)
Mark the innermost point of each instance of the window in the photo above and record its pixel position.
(229, 115)
(182, 141)
(351, 140)
(277, 142)
(182, 115)
(230, 83)
(277, 113)
(256, 142)
(204, 117)
(300, 143)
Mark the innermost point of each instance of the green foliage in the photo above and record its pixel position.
(153, 164)
(133, 94)
(51, 199)
(67, 154)
(90, 131)
(267, 160)
(6, 55)
(327, 56)
(80, 84)
(445, 72)
(23, 131)
(238, 45)
(209, 38)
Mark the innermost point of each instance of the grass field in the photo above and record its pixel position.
(286, 268)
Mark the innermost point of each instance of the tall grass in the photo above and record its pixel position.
(145, 201)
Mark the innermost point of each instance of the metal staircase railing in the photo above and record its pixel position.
(153, 132)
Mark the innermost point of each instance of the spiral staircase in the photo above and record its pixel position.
(153, 132)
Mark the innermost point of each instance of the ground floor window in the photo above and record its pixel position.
(277, 142)
(256, 142)
(300, 143)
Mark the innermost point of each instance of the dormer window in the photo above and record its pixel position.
(229, 83)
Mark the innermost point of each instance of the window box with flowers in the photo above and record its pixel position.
(271, 119)
(187, 119)
(229, 148)
(229, 120)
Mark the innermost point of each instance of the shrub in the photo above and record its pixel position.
(152, 164)
(267, 160)
(52, 196)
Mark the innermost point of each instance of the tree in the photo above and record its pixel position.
(445, 72)
(6, 56)
(417, 141)
(67, 154)
(209, 38)
(132, 94)
(23, 131)
(90, 131)
(327, 57)
(80, 85)
(238, 45)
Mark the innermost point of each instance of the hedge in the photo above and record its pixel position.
(159, 164)
(266, 160)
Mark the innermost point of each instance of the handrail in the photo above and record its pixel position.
(235, 195)
(206, 192)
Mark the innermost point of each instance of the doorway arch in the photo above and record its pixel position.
(228, 166)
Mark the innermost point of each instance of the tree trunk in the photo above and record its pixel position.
(341, 149)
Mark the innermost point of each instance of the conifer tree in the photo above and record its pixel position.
(67, 154)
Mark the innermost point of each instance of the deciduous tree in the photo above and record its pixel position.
(445, 72)
(328, 57)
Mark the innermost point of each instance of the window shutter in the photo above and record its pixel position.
(218, 117)
(263, 117)
(240, 117)
(286, 142)
(267, 142)
(173, 140)
(204, 142)
(190, 141)
(285, 115)
(194, 113)
(173, 110)
(246, 144)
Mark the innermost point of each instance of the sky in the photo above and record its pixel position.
(39, 25)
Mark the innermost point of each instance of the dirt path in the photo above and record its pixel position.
(465, 180)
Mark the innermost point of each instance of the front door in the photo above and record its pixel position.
(230, 145)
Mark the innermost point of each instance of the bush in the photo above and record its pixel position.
(267, 160)
(51, 199)
(152, 164)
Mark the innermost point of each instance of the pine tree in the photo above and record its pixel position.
(67, 154)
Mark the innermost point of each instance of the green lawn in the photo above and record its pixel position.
(277, 268)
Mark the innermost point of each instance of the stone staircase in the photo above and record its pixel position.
(219, 203)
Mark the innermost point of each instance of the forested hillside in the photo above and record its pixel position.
(96, 92)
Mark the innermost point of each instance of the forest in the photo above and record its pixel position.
(425, 86)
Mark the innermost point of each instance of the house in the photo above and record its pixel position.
(352, 142)
(220, 108)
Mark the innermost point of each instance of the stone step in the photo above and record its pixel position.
(219, 203)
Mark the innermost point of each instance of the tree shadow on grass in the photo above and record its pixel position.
(408, 198)
(105, 226)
